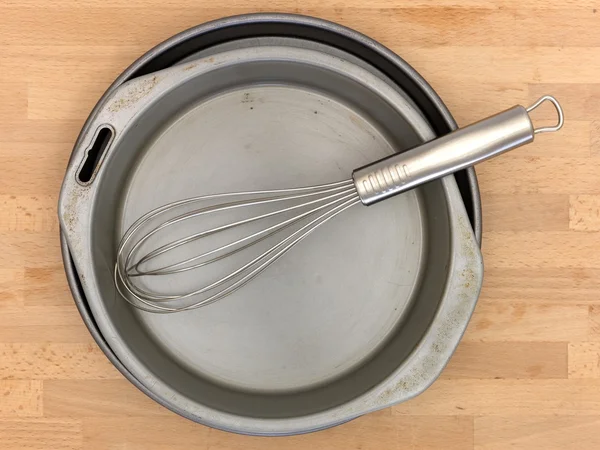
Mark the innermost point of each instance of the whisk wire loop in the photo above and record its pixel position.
(314, 205)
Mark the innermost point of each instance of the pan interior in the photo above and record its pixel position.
(334, 299)
(337, 314)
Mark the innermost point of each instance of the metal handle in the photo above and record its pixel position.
(450, 153)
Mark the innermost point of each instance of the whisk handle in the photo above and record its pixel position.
(455, 151)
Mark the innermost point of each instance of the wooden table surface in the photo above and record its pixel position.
(527, 374)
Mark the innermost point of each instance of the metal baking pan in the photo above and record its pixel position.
(277, 391)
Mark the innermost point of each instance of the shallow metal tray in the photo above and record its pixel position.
(320, 392)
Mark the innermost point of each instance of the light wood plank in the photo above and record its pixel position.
(516, 173)
(41, 434)
(367, 433)
(594, 322)
(20, 398)
(37, 169)
(13, 97)
(27, 248)
(595, 138)
(37, 132)
(537, 433)
(573, 141)
(37, 324)
(431, 26)
(587, 5)
(46, 333)
(580, 101)
(578, 285)
(28, 213)
(528, 212)
(584, 360)
(435, 26)
(584, 212)
(520, 398)
(58, 102)
(39, 316)
(11, 287)
(91, 398)
(66, 66)
(500, 360)
(443, 64)
(522, 321)
(100, 26)
(542, 249)
(46, 286)
(143, 433)
(55, 361)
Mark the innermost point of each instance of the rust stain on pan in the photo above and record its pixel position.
(134, 94)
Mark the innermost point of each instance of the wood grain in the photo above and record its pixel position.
(28, 213)
(371, 432)
(89, 398)
(20, 398)
(580, 104)
(584, 212)
(517, 360)
(506, 397)
(283, 4)
(41, 434)
(584, 360)
(595, 138)
(14, 95)
(527, 373)
(517, 174)
(36, 168)
(544, 286)
(11, 287)
(536, 432)
(50, 361)
(528, 212)
(45, 286)
(521, 321)
(542, 249)
(43, 324)
(15, 134)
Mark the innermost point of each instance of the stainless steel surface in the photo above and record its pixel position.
(462, 148)
(291, 216)
(559, 111)
(272, 222)
(428, 328)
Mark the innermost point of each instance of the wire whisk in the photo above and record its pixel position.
(279, 219)
(313, 206)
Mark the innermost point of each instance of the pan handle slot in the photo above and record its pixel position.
(93, 155)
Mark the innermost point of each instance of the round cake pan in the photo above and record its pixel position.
(354, 321)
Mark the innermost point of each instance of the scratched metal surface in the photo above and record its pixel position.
(305, 378)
